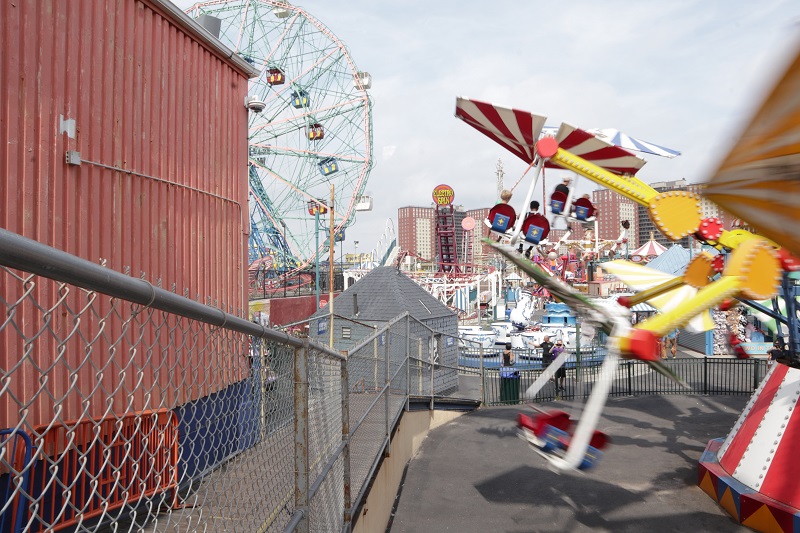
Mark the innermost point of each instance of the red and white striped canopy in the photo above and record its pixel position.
(518, 132)
(647, 252)
(515, 130)
(601, 153)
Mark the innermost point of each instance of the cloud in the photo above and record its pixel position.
(388, 151)
(682, 74)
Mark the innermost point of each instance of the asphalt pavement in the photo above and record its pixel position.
(475, 474)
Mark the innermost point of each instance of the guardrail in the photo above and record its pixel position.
(132, 408)
(705, 375)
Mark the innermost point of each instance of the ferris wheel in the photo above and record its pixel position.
(310, 126)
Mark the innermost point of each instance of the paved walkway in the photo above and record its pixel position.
(475, 475)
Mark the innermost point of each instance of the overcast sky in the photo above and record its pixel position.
(682, 74)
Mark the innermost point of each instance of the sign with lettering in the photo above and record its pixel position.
(443, 194)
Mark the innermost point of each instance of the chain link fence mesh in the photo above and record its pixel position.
(120, 417)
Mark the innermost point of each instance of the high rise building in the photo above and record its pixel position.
(709, 208)
(613, 208)
(416, 231)
(646, 225)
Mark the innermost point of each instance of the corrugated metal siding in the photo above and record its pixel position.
(698, 342)
(148, 98)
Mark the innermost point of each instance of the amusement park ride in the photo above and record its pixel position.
(310, 127)
(759, 182)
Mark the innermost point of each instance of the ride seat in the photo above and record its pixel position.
(501, 218)
(584, 210)
(535, 228)
(557, 202)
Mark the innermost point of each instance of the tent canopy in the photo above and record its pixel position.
(648, 251)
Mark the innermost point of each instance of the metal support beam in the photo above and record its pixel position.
(301, 460)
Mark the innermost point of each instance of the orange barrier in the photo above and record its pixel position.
(87, 468)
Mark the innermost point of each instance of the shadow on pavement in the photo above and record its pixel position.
(475, 475)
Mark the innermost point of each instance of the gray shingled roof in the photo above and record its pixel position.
(385, 293)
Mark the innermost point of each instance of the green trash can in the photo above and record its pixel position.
(509, 385)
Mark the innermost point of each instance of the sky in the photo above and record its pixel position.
(683, 74)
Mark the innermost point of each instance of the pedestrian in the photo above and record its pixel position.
(546, 347)
(561, 373)
(672, 342)
(508, 355)
(776, 352)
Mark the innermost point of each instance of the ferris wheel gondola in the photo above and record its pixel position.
(310, 125)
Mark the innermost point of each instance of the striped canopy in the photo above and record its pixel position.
(515, 130)
(759, 180)
(598, 151)
(623, 140)
(648, 251)
(518, 132)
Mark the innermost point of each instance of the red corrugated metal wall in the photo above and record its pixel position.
(148, 98)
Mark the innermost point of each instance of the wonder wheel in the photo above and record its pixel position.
(310, 127)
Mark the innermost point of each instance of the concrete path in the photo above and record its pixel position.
(475, 475)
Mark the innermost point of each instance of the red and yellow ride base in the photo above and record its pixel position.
(753, 473)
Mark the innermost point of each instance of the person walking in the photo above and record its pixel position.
(546, 347)
(561, 373)
(672, 343)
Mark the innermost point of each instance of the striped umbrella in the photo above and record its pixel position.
(759, 180)
(623, 140)
(639, 278)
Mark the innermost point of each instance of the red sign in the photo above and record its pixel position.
(443, 194)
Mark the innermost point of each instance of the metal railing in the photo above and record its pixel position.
(128, 407)
(633, 378)
(264, 285)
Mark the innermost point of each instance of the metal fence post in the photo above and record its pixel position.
(483, 392)
(756, 367)
(348, 518)
(705, 375)
(386, 392)
(408, 360)
(629, 364)
(431, 344)
(301, 435)
(419, 365)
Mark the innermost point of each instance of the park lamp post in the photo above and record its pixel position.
(315, 207)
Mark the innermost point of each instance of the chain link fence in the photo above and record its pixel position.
(126, 407)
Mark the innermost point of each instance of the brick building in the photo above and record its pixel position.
(613, 208)
(416, 231)
(710, 209)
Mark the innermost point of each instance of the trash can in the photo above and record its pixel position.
(509, 384)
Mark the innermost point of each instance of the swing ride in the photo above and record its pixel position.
(752, 473)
